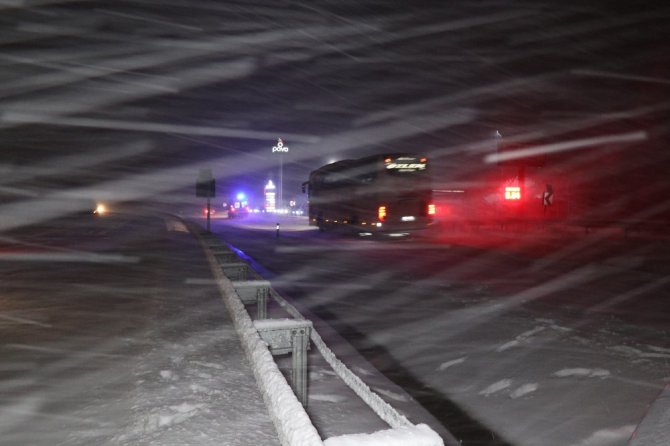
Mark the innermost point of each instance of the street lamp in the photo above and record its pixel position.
(280, 148)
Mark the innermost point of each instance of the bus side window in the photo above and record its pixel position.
(365, 174)
(337, 179)
(366, 179)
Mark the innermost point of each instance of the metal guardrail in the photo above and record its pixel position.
(292, 336)
(283, 336)
(289, 336)
(254, 292)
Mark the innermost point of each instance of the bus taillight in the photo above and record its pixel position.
(431, 209)
(381, 213)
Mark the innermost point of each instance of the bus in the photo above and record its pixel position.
(377, 194)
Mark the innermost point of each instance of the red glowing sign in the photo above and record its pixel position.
(512, 193)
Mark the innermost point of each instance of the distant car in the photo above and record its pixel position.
(79, 207)
(240, 212)
(100, 209)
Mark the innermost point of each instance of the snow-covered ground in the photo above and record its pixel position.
(109, 336)
(114, 332)
(123, 341)
(570, 348)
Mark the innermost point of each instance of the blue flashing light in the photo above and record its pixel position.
(241, 196)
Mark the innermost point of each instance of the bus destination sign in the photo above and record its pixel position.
(406, 164)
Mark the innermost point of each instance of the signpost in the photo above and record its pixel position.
(205, 186)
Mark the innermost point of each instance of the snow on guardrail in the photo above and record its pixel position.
(383, 409)
(419, 435)
(289, 417)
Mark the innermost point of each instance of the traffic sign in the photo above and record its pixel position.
(205, 186)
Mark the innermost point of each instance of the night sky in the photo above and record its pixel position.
(128, 100)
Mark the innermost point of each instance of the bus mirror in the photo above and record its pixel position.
(304, 186)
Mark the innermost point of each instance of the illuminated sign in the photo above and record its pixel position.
(406, 166)
(512, 193)
(280, 147)
(406, 163)
(270, 197)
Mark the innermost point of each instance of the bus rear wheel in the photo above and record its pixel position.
(320, 224)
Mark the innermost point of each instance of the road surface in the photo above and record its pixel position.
(547, 336)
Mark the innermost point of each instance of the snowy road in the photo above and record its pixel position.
(509, 338)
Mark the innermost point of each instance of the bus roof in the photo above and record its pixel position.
(349, 163)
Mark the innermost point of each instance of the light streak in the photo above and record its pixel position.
(565, 146)
(154, 127)
(627, 77)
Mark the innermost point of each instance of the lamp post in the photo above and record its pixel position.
(281, 149)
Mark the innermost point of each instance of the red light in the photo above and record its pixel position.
(431, 209)
(424, 160)
(512, 193)
(381, 213)
(388, 160)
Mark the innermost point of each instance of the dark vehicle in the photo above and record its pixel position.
(380, 193)
(237, 211)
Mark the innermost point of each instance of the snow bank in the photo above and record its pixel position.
(419, 435)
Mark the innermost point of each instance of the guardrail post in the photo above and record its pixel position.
(300, 340)
(210, 239)
(289, 336)
(225, 257)
(235, 271)
(262, 304)
(220, 249)
(254, 291)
